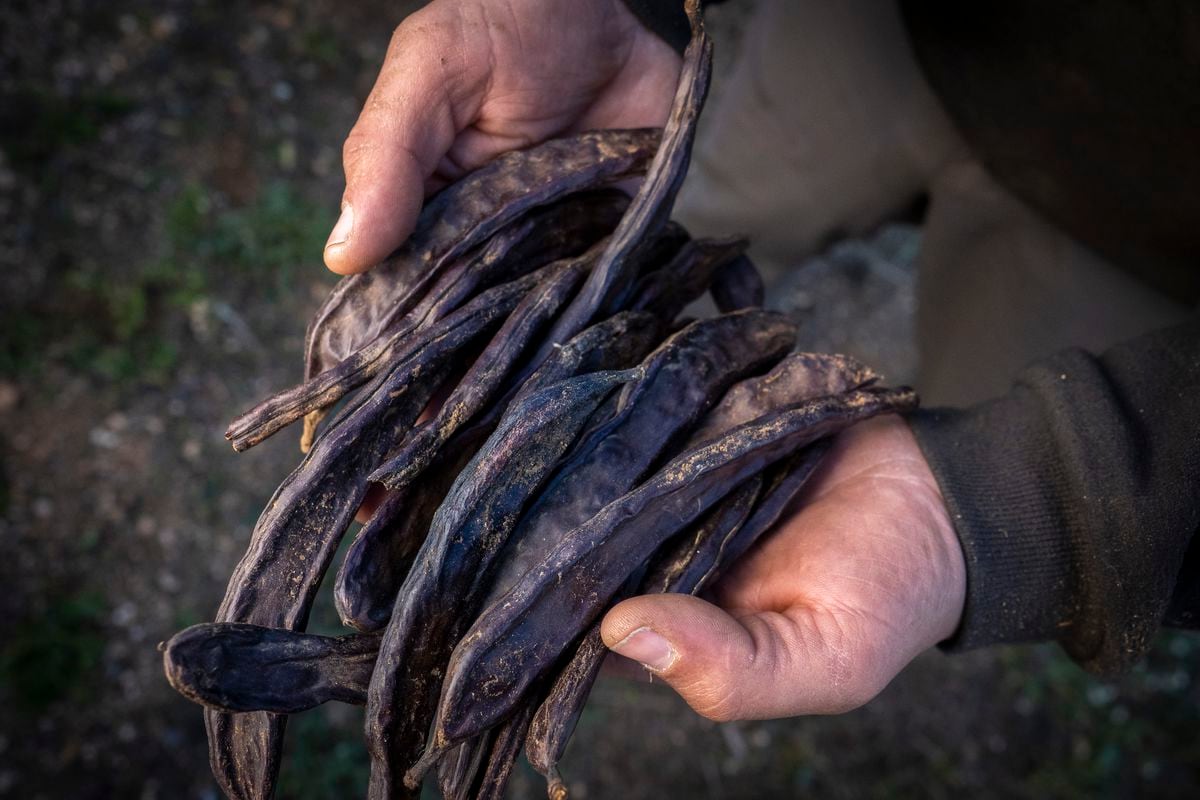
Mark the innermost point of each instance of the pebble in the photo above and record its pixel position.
(10, 396)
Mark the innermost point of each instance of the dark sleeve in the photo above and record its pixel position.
(1076, 497)
(666, 19)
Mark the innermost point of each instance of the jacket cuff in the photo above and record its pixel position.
(999, 490)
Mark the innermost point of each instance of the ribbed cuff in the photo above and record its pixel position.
(1000, 490)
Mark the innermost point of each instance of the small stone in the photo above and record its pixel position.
(145, 525)
(124, 614)
(192, 449)
(103, 438)
(282, 91)
(155, 426)
(43, 508)
(126, 732)
(10, 395)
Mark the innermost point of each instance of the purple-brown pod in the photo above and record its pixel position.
(737, 284)
(683, 378)
(667, 291)
(236, 667)
(651, 206)
(520, 636)
(444, 586)
(800, 376)
(484, 380)
(295, 538)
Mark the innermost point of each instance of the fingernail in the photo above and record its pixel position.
(647, 648)
(343, 229)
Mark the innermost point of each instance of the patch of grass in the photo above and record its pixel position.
(36, 123)
(51, 657)
(322, 759)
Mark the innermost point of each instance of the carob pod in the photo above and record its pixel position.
(462, 216)
(684, 376)
(737, 285)
(652, 204)
(383, 550)
(800, 376)
(516, 639)
(564, 229)
(232, 666)
(485, 378)
(458, 770)
(381, 553)
(438, 598)
(298, 532)
(698, 556)
(685, 277)
(505, 747)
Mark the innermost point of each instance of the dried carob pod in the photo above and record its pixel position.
(683, 378)
(685, 277)
(561, 230)
(515, 340)
(379, 557)
(298, 532)
(800, 376)
(237, 667)
(737, 284)
(436, 601)
(655, 198)
(517, 638)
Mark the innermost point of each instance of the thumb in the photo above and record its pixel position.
(425, 89)
(757, 666)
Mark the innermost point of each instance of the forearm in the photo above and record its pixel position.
(1076, 497)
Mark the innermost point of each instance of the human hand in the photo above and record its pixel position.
(825, 610)
(465, 80)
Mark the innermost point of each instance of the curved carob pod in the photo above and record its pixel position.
(232, 666)
(516, 639)
(685, 277)
(462, 216)
(381, 553)
(565, 229)
(439, 596)
(684, 376)
(655, 198)
(505, 747)
(800, 376)
(485, 377)
(383, 550)
(670, 571)
(737, 284)
(298, 532)
(458, 770)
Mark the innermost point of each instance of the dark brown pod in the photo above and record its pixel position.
(684, 278)
(651, 206)
(442, 590)
(564, 229)
(513, 342)
(517, 638)
(737, 284)
(800, 376)
(236, 667)
(683, 377)
(298, 532)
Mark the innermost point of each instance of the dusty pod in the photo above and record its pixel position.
(520, 636)
(683, 378)
(651, 206)
(295, 538)
(236, 667)
(442, 590)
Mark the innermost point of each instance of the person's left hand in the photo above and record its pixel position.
(825, 610)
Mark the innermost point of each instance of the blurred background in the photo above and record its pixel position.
(168, 174)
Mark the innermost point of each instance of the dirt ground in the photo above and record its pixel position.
(168, 173)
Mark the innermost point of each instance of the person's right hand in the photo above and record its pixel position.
(465, 80)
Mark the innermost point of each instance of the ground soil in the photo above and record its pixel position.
(168, 172)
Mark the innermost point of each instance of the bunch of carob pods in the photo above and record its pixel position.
(553, 440)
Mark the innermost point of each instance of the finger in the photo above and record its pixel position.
(758, 666)
(429, 88)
